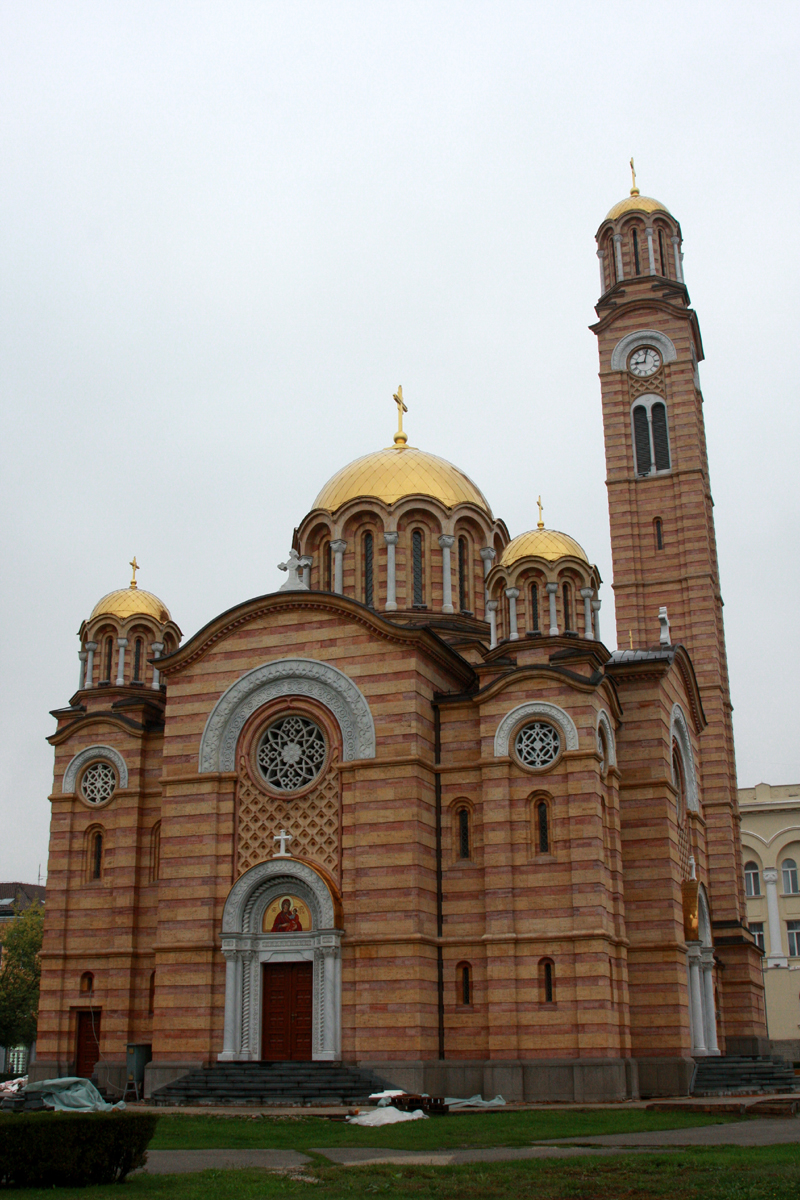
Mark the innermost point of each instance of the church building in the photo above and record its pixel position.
(409, 812)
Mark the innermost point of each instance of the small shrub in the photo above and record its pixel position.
(62, 1149)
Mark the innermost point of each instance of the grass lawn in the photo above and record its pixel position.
(764, 1173)
(182, 1131)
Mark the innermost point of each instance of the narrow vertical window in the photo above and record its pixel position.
(546, 977)
(534, 608)
(151, 994)
(612, 258)
(416, 554)
(328, 567)
(368, 556)
(565, 593)
(659, 531)
(662, 255)
(542, 831)
(752, 880)
(757, 930)
(660, 437)
(463, 833)
(109, 658)
(87, 983)
(790, 879)
(97, 856)
(636, 252)
(463, 591)
(137, 661)
(155, 852)
(466, 990)
(641, 433)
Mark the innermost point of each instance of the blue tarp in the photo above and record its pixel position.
(71, 1094)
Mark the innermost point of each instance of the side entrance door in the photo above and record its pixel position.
(286, 1011)
(87, 1053)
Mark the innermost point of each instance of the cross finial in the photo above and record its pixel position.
(283, 837)
(634, 189)
(134, 567)
(400, 437)
(294, 565)
(541, 522)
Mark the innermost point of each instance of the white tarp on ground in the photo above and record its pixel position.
(71, 1094)
(474, 1102)
(12, 1086)
(387, 1116)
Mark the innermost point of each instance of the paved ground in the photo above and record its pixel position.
(180, 1162)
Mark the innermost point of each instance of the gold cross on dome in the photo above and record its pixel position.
(634, 189)
(400, 437)
(135, 567)
(541, 522)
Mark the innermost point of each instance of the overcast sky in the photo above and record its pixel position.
(229, 230)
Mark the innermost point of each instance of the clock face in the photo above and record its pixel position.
(644, 361)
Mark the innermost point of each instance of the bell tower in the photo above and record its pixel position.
(662, 527)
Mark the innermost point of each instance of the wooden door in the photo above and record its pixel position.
(87, 1053)
(286, 1011)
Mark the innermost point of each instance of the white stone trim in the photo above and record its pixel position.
(286, 677)
(679, 732)
(604, 723)
(642, 337)
(534, 708)
(246, 948)
(89, 755)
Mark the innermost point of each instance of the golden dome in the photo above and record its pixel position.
(541, 543)
(129, 602)
(400, 471)
(635, 203)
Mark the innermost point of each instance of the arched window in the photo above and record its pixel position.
(137, 661)
(547, 980)
(789, 872)
(96, 855)
(752, 879)
(650, 436)
(567, 601)
(658, 416)
(612, 258)
(109, 659)
(463, 585)
(464, 984)
(602, 750)
(416, 560)
(326, 567)
(635, 240)
(155, 852)
(368, 560)
(641, 440)
(87, 983)
(151, 994)
(678, 781)
(541, 829)
(658, 530)
(663, 256)
(534, 609)
(463, 833)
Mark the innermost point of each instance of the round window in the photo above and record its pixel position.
(291, 753)
(537, 744)
(98, 783)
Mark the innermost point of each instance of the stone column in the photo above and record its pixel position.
(678, 256)
(776, 957)
(488, 554)
(513, 595)
(338, 548)
(329, 1021)
(587, 594)
(596, 610)
(122, 643)
(491, 608)
(601, 254)
(551, 589)
(709, 1008)
(391, 571)
(651, 255)
(696, 993)
(82, 656)
(231, 1032)
(305, 563)
(618, 254)
(158, 650)
(446, 542)
(90, 649)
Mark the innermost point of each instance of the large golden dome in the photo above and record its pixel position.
(130, 602)
(400, 471)
(542, 543)
(636, 203)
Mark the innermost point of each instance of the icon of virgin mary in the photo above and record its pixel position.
(287, 920)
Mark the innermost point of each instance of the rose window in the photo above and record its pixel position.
(537, 744)
(98, 783)
(291, 753)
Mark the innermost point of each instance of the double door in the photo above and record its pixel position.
(87, 1052)
(286, 1002)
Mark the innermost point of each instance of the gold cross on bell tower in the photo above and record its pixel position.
(134, 567)
(541, 522)
(400, 437)
(634, 188)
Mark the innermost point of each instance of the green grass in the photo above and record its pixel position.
(183, 1131)
(721, 1173)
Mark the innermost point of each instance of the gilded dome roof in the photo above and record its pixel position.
(129, 602)
(400, 471)
(541, 543)
(636, 203)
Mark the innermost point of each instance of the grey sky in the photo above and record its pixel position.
(229, 230)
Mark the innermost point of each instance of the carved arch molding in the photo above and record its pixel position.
(642, 337)
(679, 735)
(534, 709)
(90, 754)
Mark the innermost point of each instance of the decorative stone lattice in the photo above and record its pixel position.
(313, 820)
(291, 753)
(98, 783)
(537, 744)
(654, 385)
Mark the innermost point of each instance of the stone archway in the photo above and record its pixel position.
(247, 949)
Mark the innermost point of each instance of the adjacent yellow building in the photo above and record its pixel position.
(771, 856)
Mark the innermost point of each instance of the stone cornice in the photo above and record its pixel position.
(655, 669)
(134, 728)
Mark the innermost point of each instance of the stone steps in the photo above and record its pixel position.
(739, 1075)
(271, 1083)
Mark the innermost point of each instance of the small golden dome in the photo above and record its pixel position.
(636, 203)
(130, 602)
(399, 471)
(541, 543)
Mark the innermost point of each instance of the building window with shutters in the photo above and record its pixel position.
(417, 566)
(650, 436)
(368, 561)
